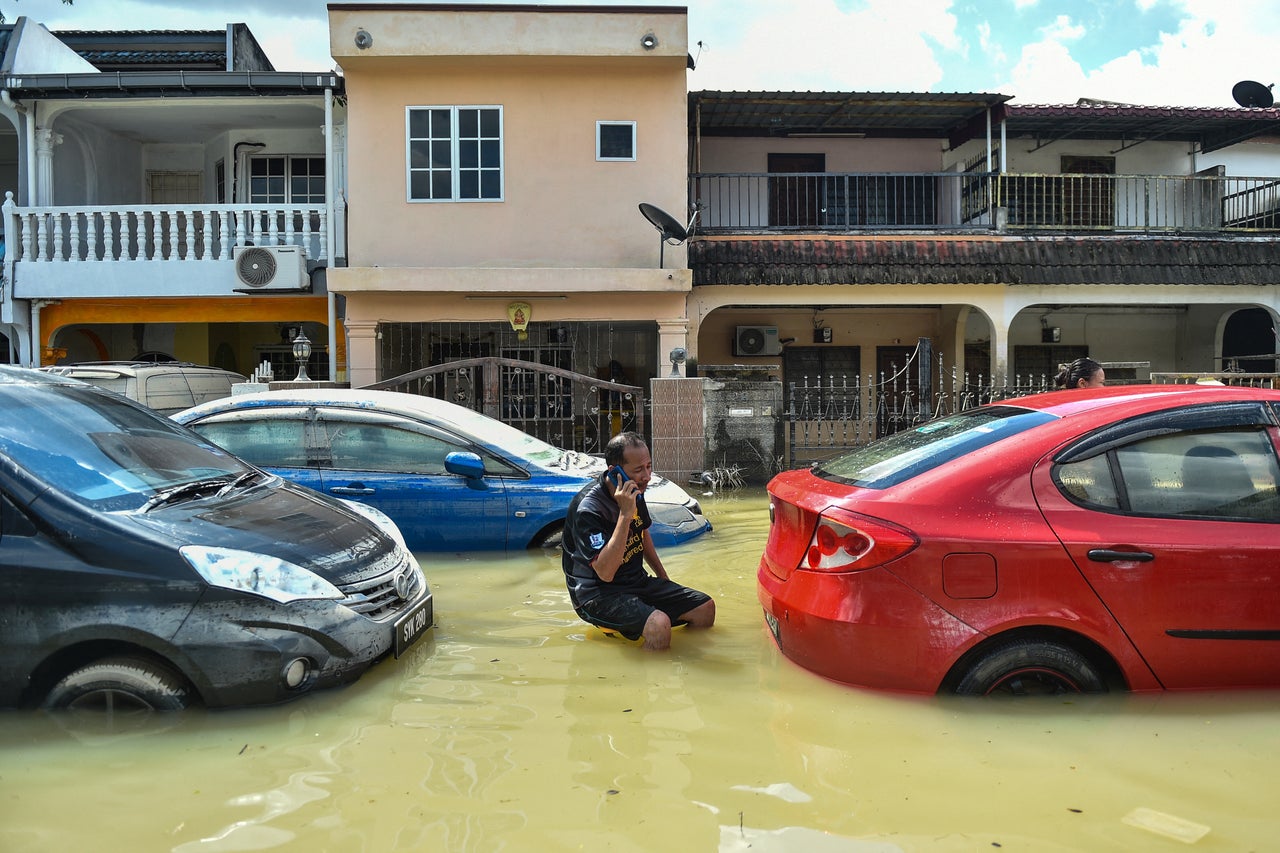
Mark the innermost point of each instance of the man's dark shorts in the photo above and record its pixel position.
(626, 611)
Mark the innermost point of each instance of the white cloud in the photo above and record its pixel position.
(1215, 45)
(1062, 29)
(813, 44)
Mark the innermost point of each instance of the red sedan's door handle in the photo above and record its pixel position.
(351, 490)
(1106, 555)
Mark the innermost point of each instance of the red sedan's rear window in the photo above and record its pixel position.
(903, 455)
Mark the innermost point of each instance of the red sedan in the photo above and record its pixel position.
(1078, 541)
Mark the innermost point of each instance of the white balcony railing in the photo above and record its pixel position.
(132, 233)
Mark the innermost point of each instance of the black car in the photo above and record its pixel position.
(142, 567)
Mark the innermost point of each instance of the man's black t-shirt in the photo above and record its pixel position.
(593, 514)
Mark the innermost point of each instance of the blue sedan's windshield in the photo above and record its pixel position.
(103, 450)
(909, 453)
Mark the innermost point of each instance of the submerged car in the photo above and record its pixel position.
(166, 386)
(451, 478)
(1079, 541)
(143, 568)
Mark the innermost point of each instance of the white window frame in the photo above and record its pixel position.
(602, 158)
(455, 169)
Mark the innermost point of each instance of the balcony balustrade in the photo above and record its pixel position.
(122, 234)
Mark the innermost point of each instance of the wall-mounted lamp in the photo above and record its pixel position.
(363, 40)
(301, 352)
(648, 41)
(1049, 334)
(678, 356)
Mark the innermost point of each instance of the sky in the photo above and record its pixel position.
(1156, 52)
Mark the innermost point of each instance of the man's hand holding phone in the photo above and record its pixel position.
(619, 480)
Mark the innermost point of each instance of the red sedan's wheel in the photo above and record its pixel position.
(1031, 668)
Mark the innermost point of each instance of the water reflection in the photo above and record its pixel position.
(517, 727)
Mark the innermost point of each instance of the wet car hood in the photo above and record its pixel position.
(276, 518)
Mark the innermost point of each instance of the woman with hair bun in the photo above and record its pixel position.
(1084, 372)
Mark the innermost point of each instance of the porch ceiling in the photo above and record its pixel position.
(1009, 261)
(193, 121)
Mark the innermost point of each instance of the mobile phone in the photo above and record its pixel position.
(617, 469)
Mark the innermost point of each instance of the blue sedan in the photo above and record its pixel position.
(451, 478)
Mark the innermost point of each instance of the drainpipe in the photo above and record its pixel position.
(329, 234)
(32, 190)
(989, 160)
(1004, 146)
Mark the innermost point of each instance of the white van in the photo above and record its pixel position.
(167, 386)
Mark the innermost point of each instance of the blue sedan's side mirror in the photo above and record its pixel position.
(465, 464)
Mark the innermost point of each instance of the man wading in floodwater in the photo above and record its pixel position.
(606, 546)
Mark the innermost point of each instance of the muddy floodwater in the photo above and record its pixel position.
(516, 727)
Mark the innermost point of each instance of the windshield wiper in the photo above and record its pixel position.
(238, 482)
(186, 490)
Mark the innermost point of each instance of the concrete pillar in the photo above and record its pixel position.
(362, 352)
(672, 333)
(46, 139)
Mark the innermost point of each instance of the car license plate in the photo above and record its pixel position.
(410, 627)
(772, 622)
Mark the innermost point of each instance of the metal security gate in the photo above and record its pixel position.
(827, 415)
(567, 409)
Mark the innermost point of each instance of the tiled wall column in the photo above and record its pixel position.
(678, 441)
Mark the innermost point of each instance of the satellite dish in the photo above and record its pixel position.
(668, 226)
(1250, 94)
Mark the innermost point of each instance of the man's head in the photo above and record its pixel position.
(628, 451)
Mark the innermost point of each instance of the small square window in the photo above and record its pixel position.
(615, 140)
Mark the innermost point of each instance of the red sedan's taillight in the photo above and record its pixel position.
(838, 547)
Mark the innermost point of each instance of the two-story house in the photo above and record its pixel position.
(839, 228)
(838, 231)
(498, 158)
(168, 195)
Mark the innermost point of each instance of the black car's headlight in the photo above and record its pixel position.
(258, 574)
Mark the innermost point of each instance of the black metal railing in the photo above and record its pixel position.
(567, 409)
(731, 202)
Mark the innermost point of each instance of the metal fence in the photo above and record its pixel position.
(831, 414)
(563, 408)
(830, 201)
(1226, 377)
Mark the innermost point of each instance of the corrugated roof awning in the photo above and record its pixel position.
(1211, 128)
(959, 117)
(871, 114)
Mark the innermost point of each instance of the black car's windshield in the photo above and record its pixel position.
(903, 455)
(103, 450)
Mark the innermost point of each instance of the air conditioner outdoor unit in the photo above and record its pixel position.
(271, 268)
(756, 340)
